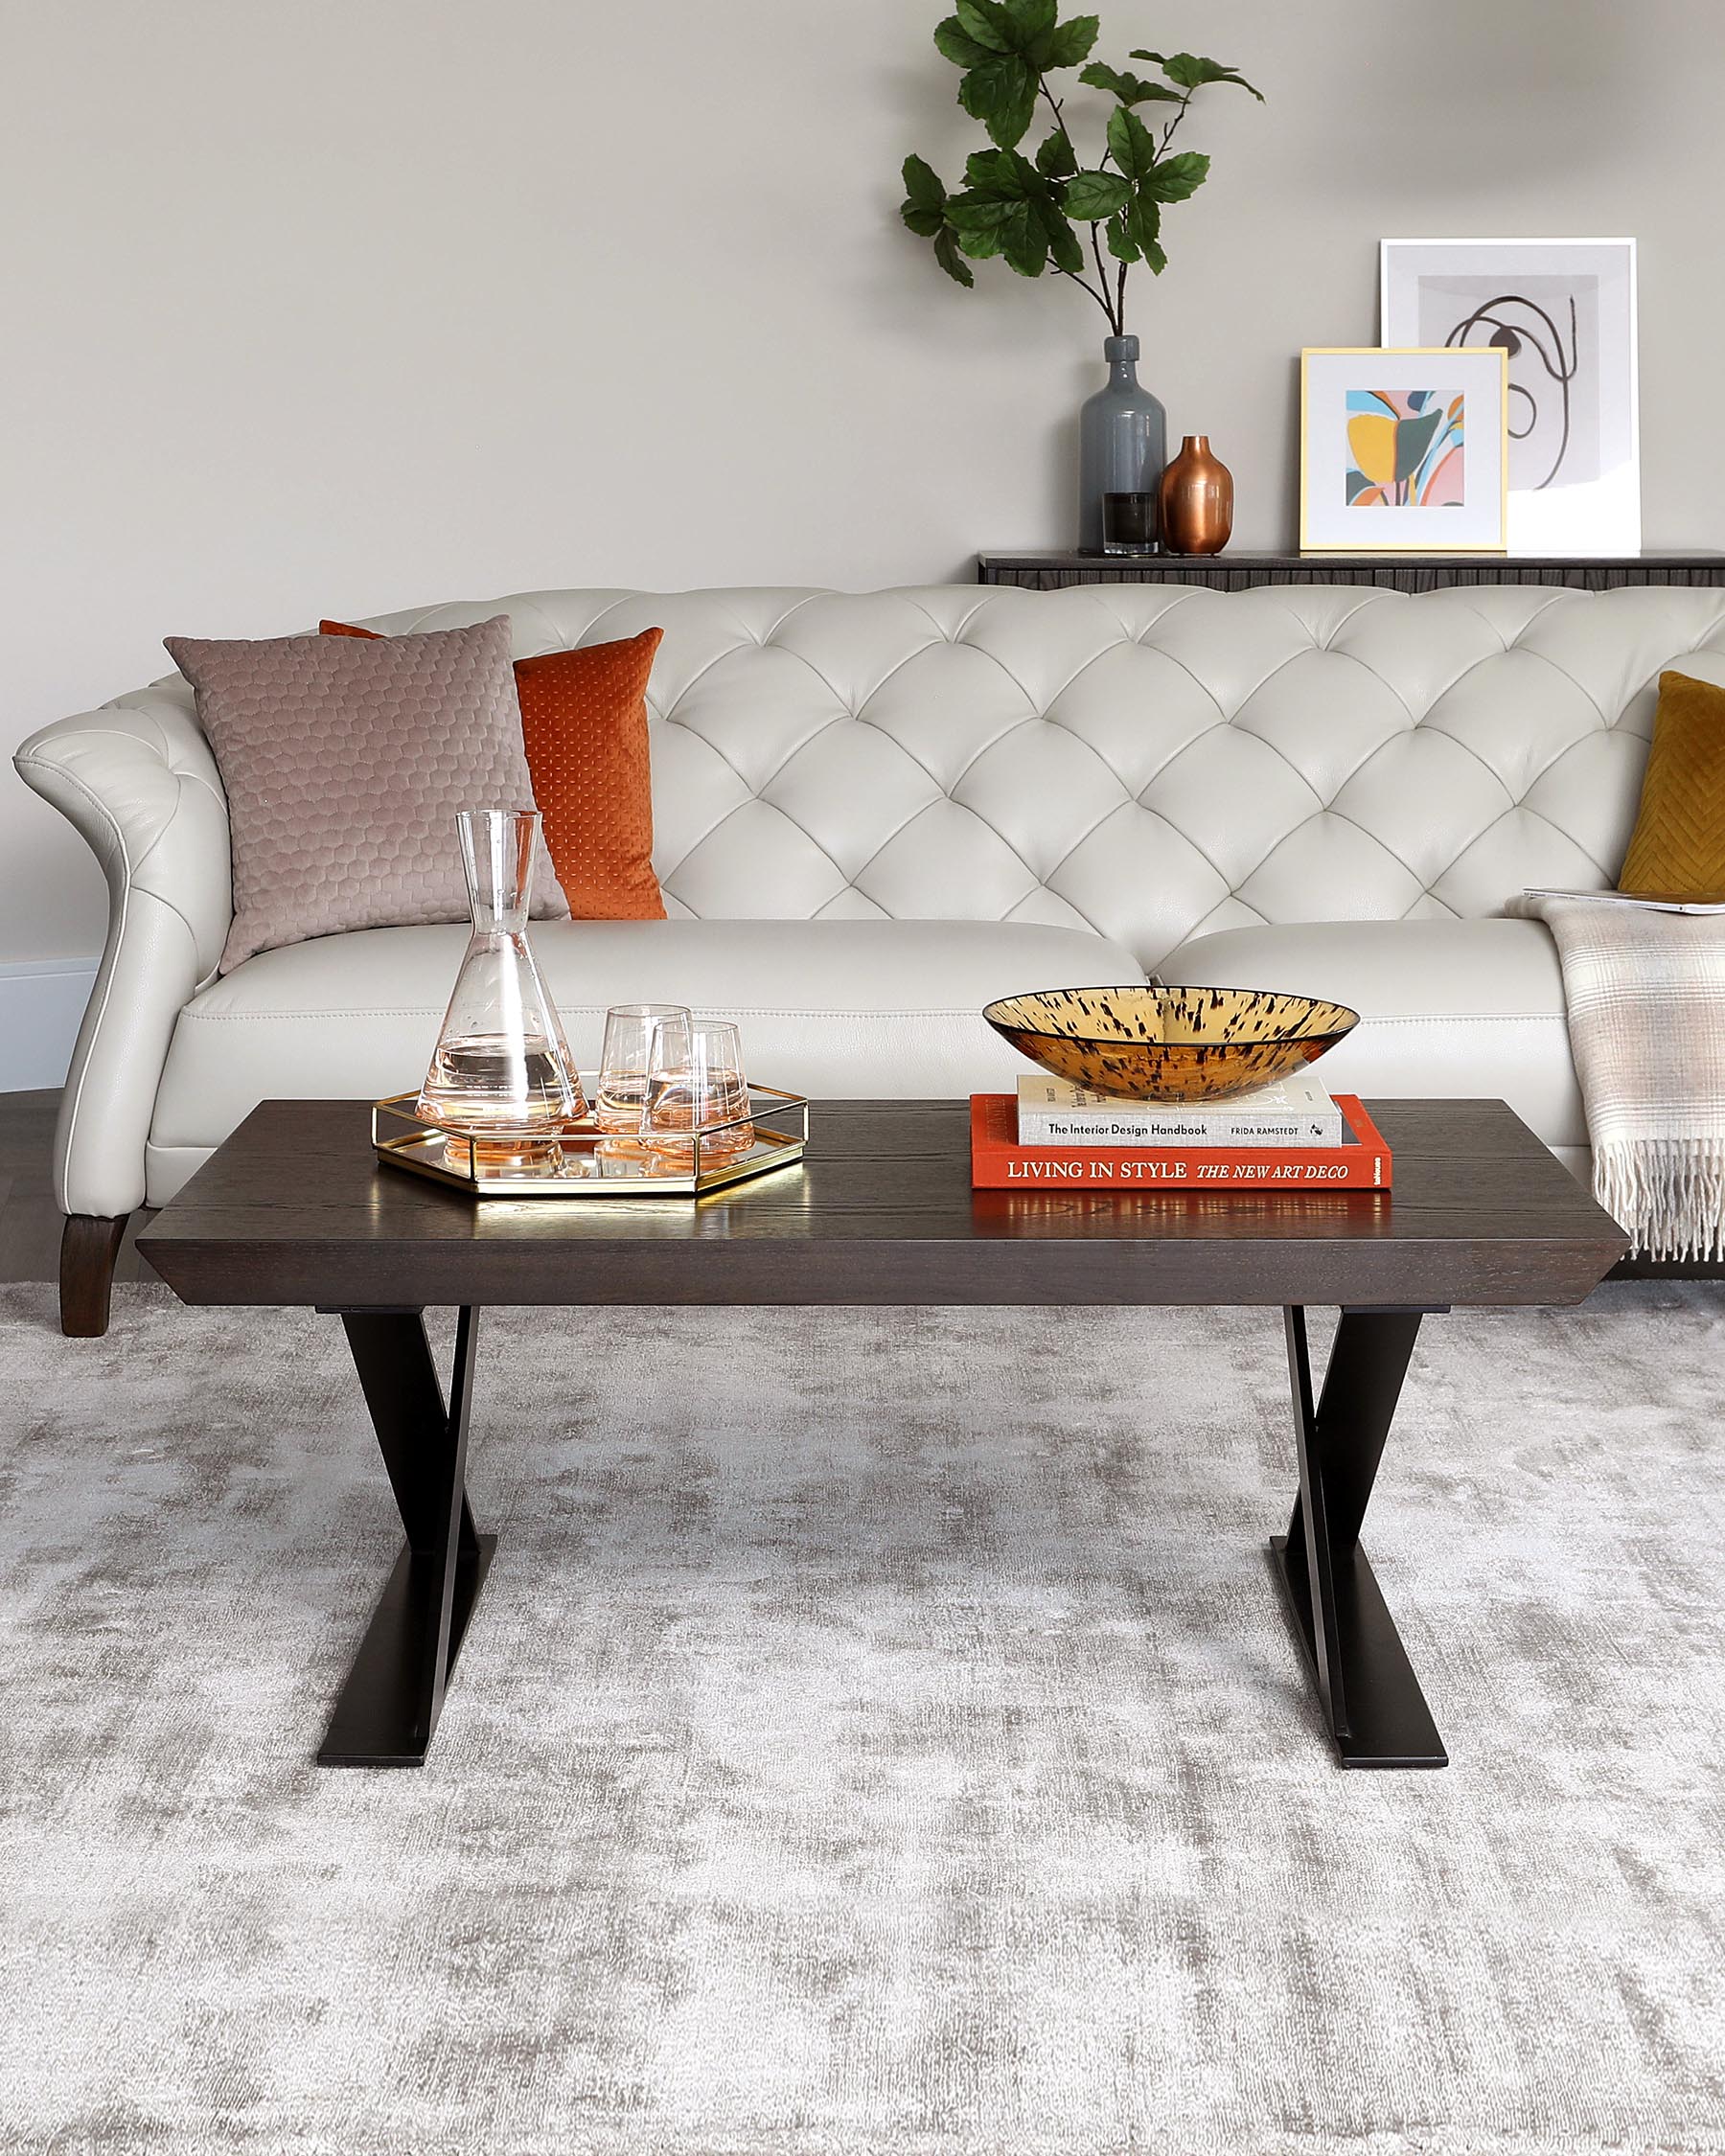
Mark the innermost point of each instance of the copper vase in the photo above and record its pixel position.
(1197, 500)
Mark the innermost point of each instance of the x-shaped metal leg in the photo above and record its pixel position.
(389, 1705)
(1370, 1697)
(394, 1691)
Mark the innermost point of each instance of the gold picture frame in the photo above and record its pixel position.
(1463, 463)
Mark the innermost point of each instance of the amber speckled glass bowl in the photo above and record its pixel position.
(1169, 1043)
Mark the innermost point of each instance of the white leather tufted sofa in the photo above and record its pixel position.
(876, 810)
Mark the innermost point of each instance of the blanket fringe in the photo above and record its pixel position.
(1668, 1194)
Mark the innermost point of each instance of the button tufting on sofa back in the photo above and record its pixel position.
(1155, 762)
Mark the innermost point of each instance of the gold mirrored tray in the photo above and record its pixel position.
(585, 1161)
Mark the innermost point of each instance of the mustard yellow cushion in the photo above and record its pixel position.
(1677, 848)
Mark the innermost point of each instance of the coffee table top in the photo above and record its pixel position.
(296, 1208)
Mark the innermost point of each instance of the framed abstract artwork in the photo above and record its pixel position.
(1563, 312)
(1403, 451)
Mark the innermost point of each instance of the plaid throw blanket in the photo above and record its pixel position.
(1647, 1020)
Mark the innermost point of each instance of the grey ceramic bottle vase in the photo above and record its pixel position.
(1123, 441)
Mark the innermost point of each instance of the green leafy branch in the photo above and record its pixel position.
(1030, 210)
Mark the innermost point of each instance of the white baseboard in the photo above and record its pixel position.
(41, 1006)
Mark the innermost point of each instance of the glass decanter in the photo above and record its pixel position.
(501, 1068)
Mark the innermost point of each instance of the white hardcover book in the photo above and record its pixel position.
(1293, 1112)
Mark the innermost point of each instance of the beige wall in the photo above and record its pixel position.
(316, 307)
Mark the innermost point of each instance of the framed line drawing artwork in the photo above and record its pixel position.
(1563, 312)
(1403, 451)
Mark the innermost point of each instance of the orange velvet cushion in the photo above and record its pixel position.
(584, 722)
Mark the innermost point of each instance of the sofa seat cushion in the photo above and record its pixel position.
(873, 1009)
(1452, 1010)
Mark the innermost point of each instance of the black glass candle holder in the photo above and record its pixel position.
(1129, 524)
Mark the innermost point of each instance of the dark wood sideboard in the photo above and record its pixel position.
(1383, 572)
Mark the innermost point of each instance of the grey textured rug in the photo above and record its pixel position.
(879, 1736)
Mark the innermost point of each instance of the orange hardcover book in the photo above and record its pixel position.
(1000, 1162)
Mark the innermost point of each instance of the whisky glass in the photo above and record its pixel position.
(639, 1039)
(699, 1113)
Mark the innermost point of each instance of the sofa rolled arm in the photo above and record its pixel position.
(139, 783)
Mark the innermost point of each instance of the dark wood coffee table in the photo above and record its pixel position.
(293, 1209)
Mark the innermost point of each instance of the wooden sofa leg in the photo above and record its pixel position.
(88, 1248)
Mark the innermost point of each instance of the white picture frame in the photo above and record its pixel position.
(1565, 312)
(1402, 451)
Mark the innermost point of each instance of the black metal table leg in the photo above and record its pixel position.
(394, 1691)
(1370, 1697)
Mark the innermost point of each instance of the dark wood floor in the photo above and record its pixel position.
(30, 1220)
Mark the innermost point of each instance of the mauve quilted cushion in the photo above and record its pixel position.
(345, 760)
